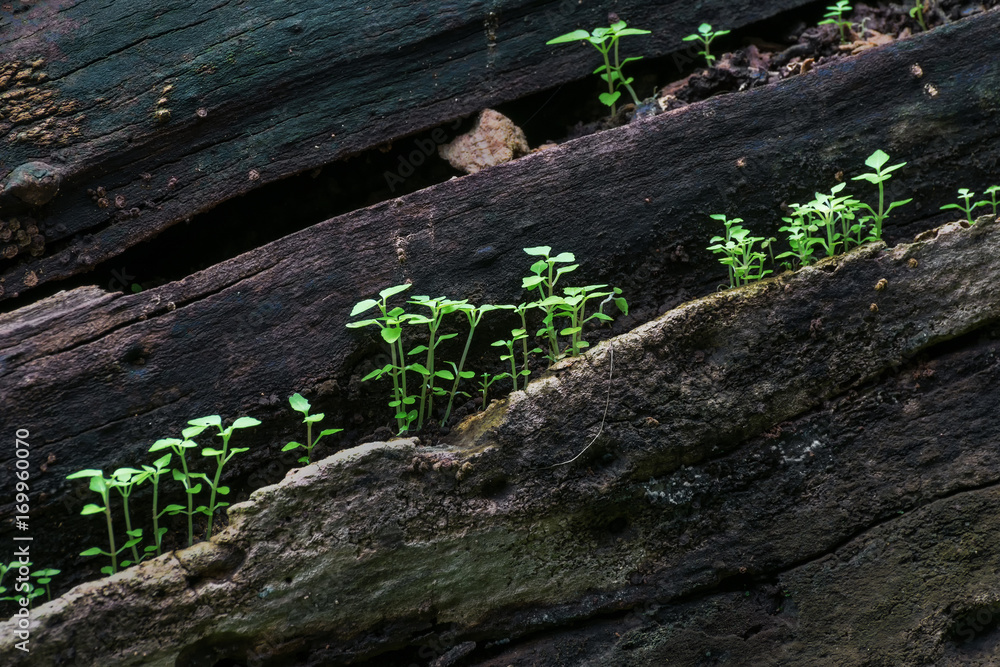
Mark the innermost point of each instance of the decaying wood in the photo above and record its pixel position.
(97, 378)
(173, 107)
(852, 530)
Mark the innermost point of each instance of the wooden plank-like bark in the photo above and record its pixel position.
(97, 377)
(211, 100)
(486, 542)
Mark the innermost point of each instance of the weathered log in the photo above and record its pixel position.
(489, 539)
(98, 377)
(172, 108)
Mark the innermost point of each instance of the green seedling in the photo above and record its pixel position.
(184, 476)
(879, 176)
(605, 40)
(474, 315)
(486, 382)
(992, 192)
(125, 481)
(522, 311)
(574, 307)
(833, 218)
(544, 279)
(102, 486)
(23, 585)
(222, 457)
(835, 16)
(917, 12)
(744, 263)
(42, 579)
(515, 336)
(300, 404)
(438, 307)
(705, 35)
(153, 473)
(391, 329)
(800, 230)
(966, 206)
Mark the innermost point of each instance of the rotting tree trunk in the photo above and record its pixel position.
(855, 530)
(98, 377)
(211, 102)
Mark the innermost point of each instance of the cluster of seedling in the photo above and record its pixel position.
(967, 206)
(830, 224)
(24, 586)
(417, 374)
(125, 481)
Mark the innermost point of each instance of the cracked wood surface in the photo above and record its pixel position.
(98, 377)
(766, 488)
(214, 99)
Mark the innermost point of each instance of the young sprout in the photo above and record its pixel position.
(125, 481)
(744, 263)
(44, 578)
(474, 315)
(879, 176)
(705, 35)
(102, 486)
(605, 40)
(515, 336)
(544, 280)
(222, 457)
(300, 404)
(917, 12)
(835, 16)
(992, 192)
(439, 307)
(154, 472)
(391, 329)
(487, 381)
(186, 478)
(574, 307)
(967, 206)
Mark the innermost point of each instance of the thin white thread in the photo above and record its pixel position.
(607, 404)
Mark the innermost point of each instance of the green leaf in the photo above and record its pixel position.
(632, 31)
(392, 291)
(237, 450)
(209, 451)
(391, 334)
(91, 509)
(86, 473)
(312, 419)
(211, 420)
(609, 99)
(622, 305)
(419, 368)
(876, 159)
(329, 431)
(299, 403)
(190, 432)
(360, 324)
(292, 445)
(574, 36)
(93, 551)
(245, 422)
(362, 306)
(163, 461)
(444, 375)
(542, 250)
(223, 490)
(164, 443)
(173, 509)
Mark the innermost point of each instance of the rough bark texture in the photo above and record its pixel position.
(96, 377)
(213, 100)
(763, 490)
